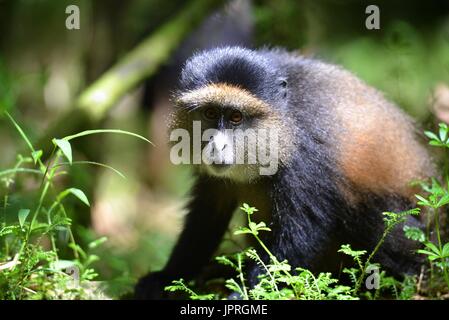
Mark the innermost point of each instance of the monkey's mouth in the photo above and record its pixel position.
(219, 168)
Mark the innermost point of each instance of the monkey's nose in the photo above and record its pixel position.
(220, 147)
(219, 142)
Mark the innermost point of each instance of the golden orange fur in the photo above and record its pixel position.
(378, 149)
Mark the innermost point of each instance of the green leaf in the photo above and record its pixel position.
(232, 285)
(36, 155)
(431, 135)
(21, 132)
(65, 147)
(23, 214)
(92, 163)
(89, 132)
(414, 233)
(445, 251)
(443, 201)
(8, 230)
(262, 226)
(423, 201)
(225, 261)
(249, 210)
(443, 133)
(253, 228)
(80, 195)
(17, 170)
(242, 230)
(91, 259)
(422, 251)
(433, 247)
(279, 267)
(78, 249)
(436, 143)
(77, 193)
(40, 226)
(94, 244)
(346, 249)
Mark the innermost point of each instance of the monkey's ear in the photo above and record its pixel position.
(282, 82)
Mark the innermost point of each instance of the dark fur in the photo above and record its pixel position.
(249, 70)
(310, 215)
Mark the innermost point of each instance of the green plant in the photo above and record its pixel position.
(30, 244)
(179, 285)
(279, 281)
(440, 140)
(437, 198)
(437, 254)
(391, 220)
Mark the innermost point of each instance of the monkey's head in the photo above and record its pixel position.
(226, 117)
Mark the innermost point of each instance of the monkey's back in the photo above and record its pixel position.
(375, 144)
(355, 156)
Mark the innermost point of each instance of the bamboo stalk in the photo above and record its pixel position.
(142, 62)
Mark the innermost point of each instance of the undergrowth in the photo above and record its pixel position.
(368, 281)
(32, 240)
(41, 259)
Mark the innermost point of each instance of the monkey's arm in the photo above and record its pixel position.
(304, 225)
(210, 211)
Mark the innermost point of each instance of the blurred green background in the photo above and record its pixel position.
(44, 67)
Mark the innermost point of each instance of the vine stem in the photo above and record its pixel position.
(242, 279)
(440, 245)
(46, 185)
(370, 257)
(272, 256)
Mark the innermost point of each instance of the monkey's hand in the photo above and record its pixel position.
(151, 287)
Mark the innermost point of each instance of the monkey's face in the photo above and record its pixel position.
(230, 132)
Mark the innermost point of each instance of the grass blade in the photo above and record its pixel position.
(93, 163)
(19, 129)
(90, 132)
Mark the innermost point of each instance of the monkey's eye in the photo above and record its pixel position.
(236, 117)
(211, 113)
